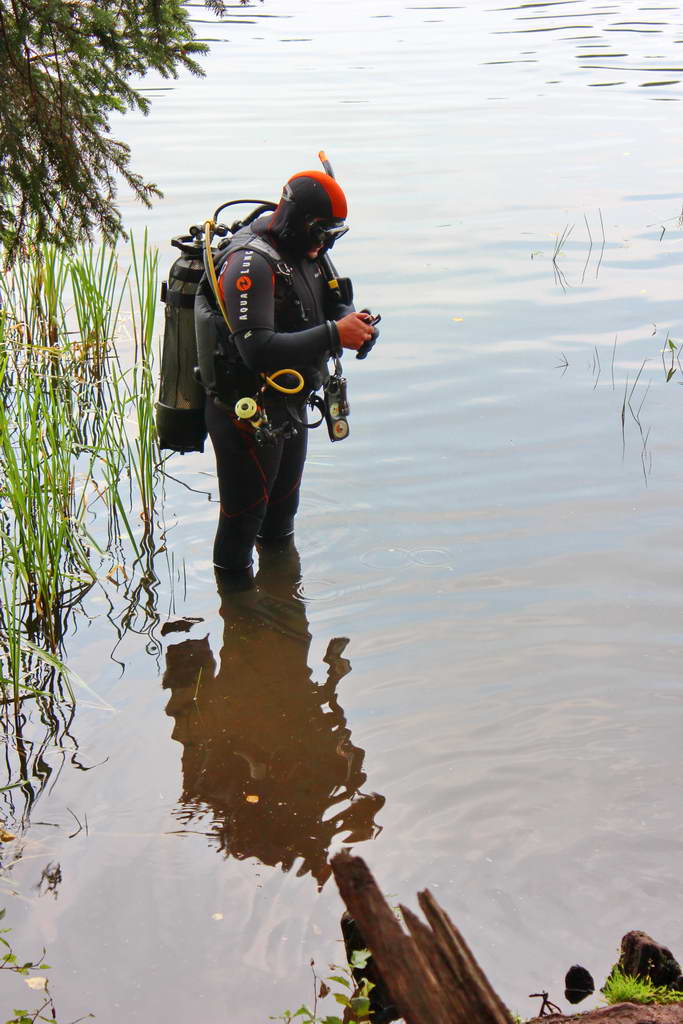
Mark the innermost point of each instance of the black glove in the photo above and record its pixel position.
(367, 346)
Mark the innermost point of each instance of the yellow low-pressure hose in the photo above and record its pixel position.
(271, 380)
(209, 228)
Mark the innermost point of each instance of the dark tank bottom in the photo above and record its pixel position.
(258, 488)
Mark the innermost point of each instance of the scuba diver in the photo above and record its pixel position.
(287, 314)
(267, 754)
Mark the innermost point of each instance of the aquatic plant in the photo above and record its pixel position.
(72, 414)
(353, 996)
(624, 988)
(79, 462)
(37, 982)
(671, 351)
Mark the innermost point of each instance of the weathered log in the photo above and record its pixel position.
(620, 1013)
(430, 974)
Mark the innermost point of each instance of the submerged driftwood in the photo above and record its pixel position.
(432, 977)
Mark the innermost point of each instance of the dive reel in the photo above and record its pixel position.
(247, 409)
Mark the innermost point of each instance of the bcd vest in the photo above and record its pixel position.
(214, 342)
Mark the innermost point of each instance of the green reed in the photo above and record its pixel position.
(78, 450)
(143, 305)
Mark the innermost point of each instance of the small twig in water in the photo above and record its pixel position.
(80, 827)
(323, 989)
(637, 418)
(177, 480)
(623, 420)
(646, 458)
(560, 277)
(88, 768)
(602, 250)
(590, 248)
(546, 1006)
(596, 361)
(642, 367)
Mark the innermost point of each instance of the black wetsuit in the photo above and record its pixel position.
(282, 316)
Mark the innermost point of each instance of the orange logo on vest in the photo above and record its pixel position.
(243, 283)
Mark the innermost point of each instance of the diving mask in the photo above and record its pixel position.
(326, 233)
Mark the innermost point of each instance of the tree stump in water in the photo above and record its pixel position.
(430, 973)
(642, 957)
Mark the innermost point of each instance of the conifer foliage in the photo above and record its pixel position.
(67, 65)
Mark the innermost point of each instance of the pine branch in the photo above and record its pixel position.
(67, 67)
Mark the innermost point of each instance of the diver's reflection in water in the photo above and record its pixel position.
(267, 755)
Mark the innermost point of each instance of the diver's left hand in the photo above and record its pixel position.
(368, 345)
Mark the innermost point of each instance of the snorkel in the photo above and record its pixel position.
(342, 291)
(341, 287)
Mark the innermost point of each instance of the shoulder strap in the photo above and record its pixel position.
(255, 243)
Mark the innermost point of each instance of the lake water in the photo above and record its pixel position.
(474, 677)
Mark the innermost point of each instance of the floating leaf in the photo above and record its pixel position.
(36, 983)
(6, 837)
(458, 319)
(252, 798)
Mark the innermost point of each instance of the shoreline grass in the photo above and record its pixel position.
(624, 988)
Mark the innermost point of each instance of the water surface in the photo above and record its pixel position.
(473, 679)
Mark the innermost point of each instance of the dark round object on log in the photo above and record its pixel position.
(578, 983)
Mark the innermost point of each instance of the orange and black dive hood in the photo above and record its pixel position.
(311, 212)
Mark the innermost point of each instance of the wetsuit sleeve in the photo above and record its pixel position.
(248, 287)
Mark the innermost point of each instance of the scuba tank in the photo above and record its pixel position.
(182, 387)
(180, 409)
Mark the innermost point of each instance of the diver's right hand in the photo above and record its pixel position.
(354, 330)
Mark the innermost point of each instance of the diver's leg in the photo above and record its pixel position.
(278, 523)
(246, 475)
